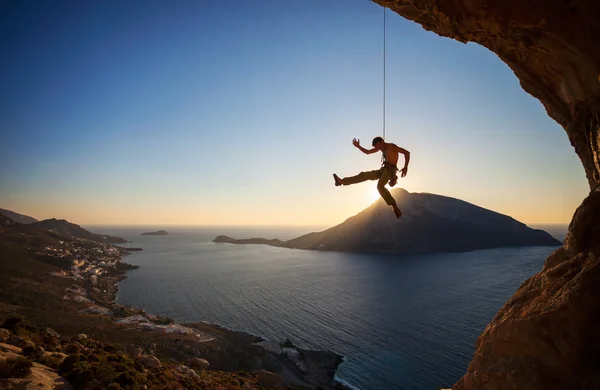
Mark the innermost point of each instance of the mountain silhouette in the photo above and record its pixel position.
(17, 217)
(71, 230)
(430, 223)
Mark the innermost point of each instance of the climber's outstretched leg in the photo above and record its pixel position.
(363, 176)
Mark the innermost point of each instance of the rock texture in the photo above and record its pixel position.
(41, 377)
(552, 46)
(546, 336)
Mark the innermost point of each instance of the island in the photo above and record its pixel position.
(126, 250)
(259, 241)
(430, 224)
(158, 233)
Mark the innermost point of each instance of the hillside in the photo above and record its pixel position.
(17, 217)
(15, 234)
(71, 230)
(60, 326)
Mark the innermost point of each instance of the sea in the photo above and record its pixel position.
(400, 322)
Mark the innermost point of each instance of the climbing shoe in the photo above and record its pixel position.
(397, 211)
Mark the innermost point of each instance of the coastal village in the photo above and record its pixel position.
(164, 354)
(100, 267)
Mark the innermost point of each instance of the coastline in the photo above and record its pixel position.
(295, 366)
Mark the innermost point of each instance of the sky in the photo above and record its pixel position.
(238, 113)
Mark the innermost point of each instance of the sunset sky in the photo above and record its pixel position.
(238, 112)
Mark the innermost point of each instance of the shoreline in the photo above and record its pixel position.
(101, 277)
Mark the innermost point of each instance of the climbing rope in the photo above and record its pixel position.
(384, 8)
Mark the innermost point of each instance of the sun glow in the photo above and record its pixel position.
(374, 194)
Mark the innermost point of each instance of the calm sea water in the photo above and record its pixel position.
(401, 323)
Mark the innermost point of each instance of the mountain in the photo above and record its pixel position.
(25, 235)
(430, 223)
(71, 230)
(17, 217)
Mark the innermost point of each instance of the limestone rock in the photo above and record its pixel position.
(199, 363)
(150, 362)
(321, 367)
(52, 333)
(82, 337)
(270, 380)
(41, 376)
(134, 352)
(552, 47)
(186, 371)
(546, 336)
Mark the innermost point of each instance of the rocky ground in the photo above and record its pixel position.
(57, 313)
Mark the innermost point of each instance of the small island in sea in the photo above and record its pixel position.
(158, 233)
(259, 241)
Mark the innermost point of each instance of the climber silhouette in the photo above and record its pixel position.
(385, 174)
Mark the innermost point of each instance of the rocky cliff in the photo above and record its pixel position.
(545, 337)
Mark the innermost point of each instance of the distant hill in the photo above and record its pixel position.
(25, 235)
(158, 233)
(17, 217)
(430, 223)
(230, 240)
(71, 230)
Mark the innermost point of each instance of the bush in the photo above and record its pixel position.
(17, 367)
(79, 373)
(19, 326)
(72, 348)
(13, 323)
(51, 361)
(33, 353)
